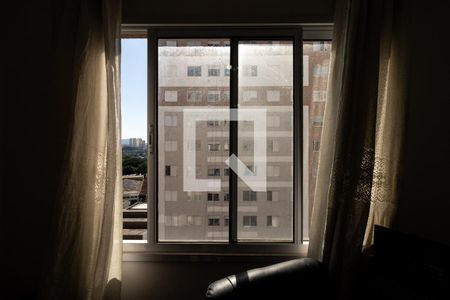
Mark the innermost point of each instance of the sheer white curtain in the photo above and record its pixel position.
(86, 263)
(360, 157)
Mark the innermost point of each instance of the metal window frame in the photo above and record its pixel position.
(298, 34)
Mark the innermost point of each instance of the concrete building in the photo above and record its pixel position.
(195, 74)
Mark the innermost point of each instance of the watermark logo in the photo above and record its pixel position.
(255, 179)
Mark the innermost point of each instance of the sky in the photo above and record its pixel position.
(134, 88)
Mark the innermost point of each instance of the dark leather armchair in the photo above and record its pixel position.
(303, 278)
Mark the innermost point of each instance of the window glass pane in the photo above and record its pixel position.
(316, 64)
(195, 171)
(134, 144)
(264, 140)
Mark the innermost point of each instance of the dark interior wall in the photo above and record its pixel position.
(32, 142)
(425, 192)
(234, 11)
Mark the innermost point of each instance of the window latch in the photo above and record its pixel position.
(150, 139)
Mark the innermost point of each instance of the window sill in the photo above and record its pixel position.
(133, 254)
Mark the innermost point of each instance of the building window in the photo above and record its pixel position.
(214, 147)
(171, 71)
(249, 96)
(193, 43)
(171, 43)
(272, 195)
(170, 96)
(213, 96)
(194, 71)
(273, 96)
(213, 71)
(249, 221)
(273, 146)
(273, 121)
(194, 96)
(194, 220)
(171, 195)
(226, 172)
(226, 197)
(226, 71)
(250, 70)
(226, 221)
(213, 172)
(214, 43)
(249, 196)
(226, 96)
(170, 121)
(316, 146)
(171, 171)
(317, 121)
(273, 221)
(319, 96)
(213, 197)
(214, 221)
(171, 146)
(212, 123)
(194, 196)
(273, 171)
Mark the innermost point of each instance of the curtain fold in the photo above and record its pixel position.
(86, 263)
(360, 157)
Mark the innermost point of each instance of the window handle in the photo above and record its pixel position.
(150, 139)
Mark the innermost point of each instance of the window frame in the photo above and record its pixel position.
(298, 34)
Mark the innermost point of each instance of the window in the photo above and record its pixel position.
(226, 71)
(213, 96)
(226, 96)
(273, 171)
(213, 147)
(171, 96)
(272, 196)
(213, 172)
(212, 123)
(214, 221)
(273, 146)
(273, 96)
(194, 196)
(172, 71)
(171, 146)
(170, 121)
(194, 71)
(214, 43)
(171, 171)
(316, 146)
(250, 70)
(273, 121)
(194, 220)
(264, 79)
(317, 121)
(249, 221)
(249, 96)
(194, 96)
(171, 195)
(319, 96)
(273, 221)
(249, 196)
(213, 197)
(213, 71)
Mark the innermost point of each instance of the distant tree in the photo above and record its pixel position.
(128, 170)
(134, 164)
